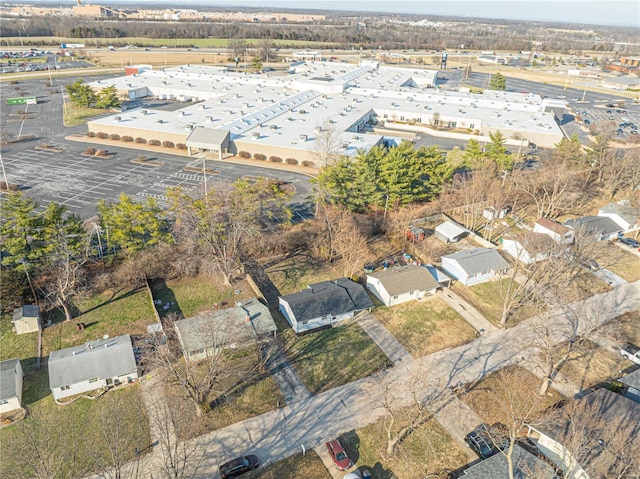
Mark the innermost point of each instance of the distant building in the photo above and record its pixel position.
(559, 233)
(598, 228)
(622, 213)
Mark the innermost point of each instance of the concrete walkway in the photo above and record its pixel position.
(287, 378)
(468, 312)
(384, 339)
(310, 422)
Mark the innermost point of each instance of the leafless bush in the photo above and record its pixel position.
(244, 154)
(291, 161)
(259, 156)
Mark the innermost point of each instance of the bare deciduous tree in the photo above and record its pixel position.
(327, 143)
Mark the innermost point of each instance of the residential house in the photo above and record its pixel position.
(96, 364)
(622, 213)
(530, 247)
(324, 304)
(525, 466)
(559, 233)
(10, 385)
(26, 319)
(632, 383)
(438, 275)
(238, 327)
(474, 266)
(612, 410)
(400, 284)
(450, 232)
(597, 228)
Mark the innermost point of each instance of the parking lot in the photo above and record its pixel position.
(62, 173)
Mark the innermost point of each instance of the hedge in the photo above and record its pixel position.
(154, 142)
(308, 163)
(141, 140)
(91, 134)
(181, 146)
(168, 144)
(275, 159)
(90, 151)
(259, 156)
(102, 135)
(114, 136)
(291, 161)
(101, 153)
(244, 154)
(128, 139)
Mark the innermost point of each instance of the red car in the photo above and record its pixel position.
(338, 454)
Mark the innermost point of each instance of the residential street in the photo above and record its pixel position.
(313, 420)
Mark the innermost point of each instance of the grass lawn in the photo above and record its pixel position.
(187, 297)
(109, 312)
(333, 357)
(77, 115)
(487, 299)
(482, 397)
(427, 450)
(627, 266)
(309, 466)
(299, 271)
(248, 392)
(426, 326)
(71, 438)
(630, 327)
(589, 365)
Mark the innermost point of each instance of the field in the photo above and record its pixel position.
(425, 326)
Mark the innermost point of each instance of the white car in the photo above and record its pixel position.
(561, 97)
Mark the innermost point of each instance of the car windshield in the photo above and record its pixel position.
(341, 456)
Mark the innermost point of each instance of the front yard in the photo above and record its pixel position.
(333, 357)
(427, 450)
(626, 265)
(590, 364)
(308, 466)
(425, 326)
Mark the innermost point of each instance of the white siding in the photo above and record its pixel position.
(515, 249)
(453, 269)
(86, 386)
(374, 285)
(9, 404)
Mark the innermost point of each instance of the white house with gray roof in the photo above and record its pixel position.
(598, 228)
(400, 284)
(622, 213)
(10, 385)
(525, 466)
(209, 332)
(96, 364)
(473, 266)
(324, 304)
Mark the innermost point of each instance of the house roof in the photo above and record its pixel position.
(438, 275)
(624, 211)
(595, 225)
(103, 358)
(552, 225)
(496, 467)
(535, 243)
(8, 379)
(632, 379)
(208, 138)
(450, 230)
(478, 260)
(223, 327)
(402, 279)
(333, 297)
(26, 311)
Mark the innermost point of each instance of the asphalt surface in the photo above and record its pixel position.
(66, 176)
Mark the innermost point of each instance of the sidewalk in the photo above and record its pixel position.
(287, 378)
(384, 339)
(468, 312)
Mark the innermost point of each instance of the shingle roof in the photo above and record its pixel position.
(632, 379)
(626, 212)
(402, 279)
(333, 297)
(594, 225)
(535, 243)
(450, 230)
(226, 326)
(497, 467)
(26, 311)
(8, 379)
(104, 358)
(479, 260)
(552, 225)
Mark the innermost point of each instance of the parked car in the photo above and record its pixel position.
(339, 455)
(238, 466)
(480, 444)
(631, 352)
(593, 265)
(629, 242)
(487, 440)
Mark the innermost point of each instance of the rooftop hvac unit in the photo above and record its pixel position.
(345, 146)
(202, 107)
(303, 137)
(303, 112)
(273, 127)
(143, 112)
(256, 135)
(209, 119)
(181, 114)
(159, 121)
(117, 119)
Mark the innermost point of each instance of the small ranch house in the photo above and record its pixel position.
(474, 266)
(530, 247)
(622, 213)
(26, 319)
(557, 232)
(401, 284)
(205, 334)
(324, 304)
(596, 228)
(525, 466)
(10, 385)
(97, 364)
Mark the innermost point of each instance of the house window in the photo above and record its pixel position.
(411, 293)
(65, 388)
(419, 120)
(454, 124)
(93, 380)
(3, 402)
(197, 351)
(395, 297)
(472, 126)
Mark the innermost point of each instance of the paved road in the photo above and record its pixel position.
(281, 433)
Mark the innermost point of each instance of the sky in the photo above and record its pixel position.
(603, 12)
